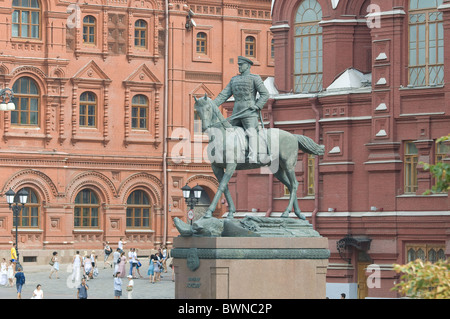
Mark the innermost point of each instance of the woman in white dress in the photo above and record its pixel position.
(10, 273)
(88, 267)
(3, 273)
(76, 264)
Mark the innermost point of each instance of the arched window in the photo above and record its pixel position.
(140, 34)
(26, 19)
(27, 100)
(138, 210)
(88, 109)
(89, 27)
(139, 112)
(308, 47)
(426, 43)
(250, 46)
(86, 209)
(29, 215)
(202, 43)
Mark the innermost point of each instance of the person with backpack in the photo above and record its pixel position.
(108, 251)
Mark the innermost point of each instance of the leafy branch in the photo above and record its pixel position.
(424, 280)
(440, 171)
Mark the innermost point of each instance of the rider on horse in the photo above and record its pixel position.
(244, 88)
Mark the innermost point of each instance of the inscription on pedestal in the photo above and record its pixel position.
(193, 282)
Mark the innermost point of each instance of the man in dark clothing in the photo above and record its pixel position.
(20, 281)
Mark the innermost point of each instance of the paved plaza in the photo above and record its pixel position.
(101, 287)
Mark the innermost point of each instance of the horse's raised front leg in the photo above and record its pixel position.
(219, 173)
(223, 187)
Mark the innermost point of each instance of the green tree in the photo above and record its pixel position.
(440, 171)
(424, 280)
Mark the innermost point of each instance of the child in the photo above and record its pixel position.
(130, 286)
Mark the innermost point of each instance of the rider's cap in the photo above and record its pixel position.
(244, 59)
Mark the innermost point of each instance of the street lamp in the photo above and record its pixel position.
(16, 208)
(192, 195)
(7, 94)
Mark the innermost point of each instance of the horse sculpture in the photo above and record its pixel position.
(281, 150)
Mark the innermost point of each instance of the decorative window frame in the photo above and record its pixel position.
(410, 168)
(144, 82)
(258, 46)
(88, 48)
(196, 57)
(41, 10)
(42, 130)
(427, 66)
(132, 206)
(151, 50)
(91, 78)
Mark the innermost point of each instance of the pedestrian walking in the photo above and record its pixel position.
(164, 257)
(94, 264)
(82, 289)
(151, 268)
(116, 259)
(38, 293)
(117, 286)
(14, 256)
(158, 267)
(108, 251)
(120, 245)
(131, 260)
(54, 262)
(173, 270)
(88, 270)
(123, 261)
(4, 272)
(10, 273)
(20, 281)
(130, 287)
(138, 264)
(76, 265)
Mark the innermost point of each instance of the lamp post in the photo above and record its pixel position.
(192, 196)
(16, 208)
(7, 94)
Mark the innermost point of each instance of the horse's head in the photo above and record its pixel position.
(205, 111)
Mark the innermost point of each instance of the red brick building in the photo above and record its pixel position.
(99, 88)
(367, 80)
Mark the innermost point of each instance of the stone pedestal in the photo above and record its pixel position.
(250, 267)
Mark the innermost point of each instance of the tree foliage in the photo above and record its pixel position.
(440, 171)
(424, 280)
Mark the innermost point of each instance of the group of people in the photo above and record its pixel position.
(85, 268)
(12, 272)
(7, 272)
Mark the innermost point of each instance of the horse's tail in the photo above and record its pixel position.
(307, 145)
